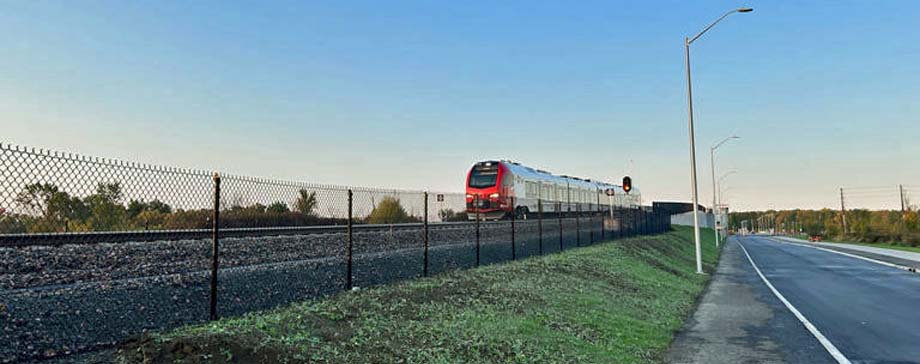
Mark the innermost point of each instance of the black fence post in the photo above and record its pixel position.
(599, 212)
(624, 217)
(540, 223)
(577, 224)
(648, 222)
(602, 215)
(513, 217)
(215, 247)
(645, 222)
(590, 220)
(476, 206)
(425, 269)
(636, 223)
(641, 218)
(559, 216)
(348, 245)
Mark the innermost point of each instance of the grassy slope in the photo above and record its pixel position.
(609, 303)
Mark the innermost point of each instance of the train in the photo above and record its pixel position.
(500, 189)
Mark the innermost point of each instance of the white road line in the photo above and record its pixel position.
(828, 345)
(909, 269)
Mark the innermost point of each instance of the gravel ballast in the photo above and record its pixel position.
(57, 301)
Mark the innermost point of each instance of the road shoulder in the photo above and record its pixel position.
(739, 320)
(908, 260)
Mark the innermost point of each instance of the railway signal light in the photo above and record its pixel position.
(627, 184)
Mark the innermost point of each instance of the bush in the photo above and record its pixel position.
(12, 224)
(306, 203)
(277, 208)
(451, 215)
(191, 219)
(389, 211)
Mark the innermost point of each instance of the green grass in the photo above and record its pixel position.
(618, 302)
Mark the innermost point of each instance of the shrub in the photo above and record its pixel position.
(451, 215)
(277, 208)
(306, 203)
(389, 211)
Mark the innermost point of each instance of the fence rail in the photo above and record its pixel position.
(100, 250)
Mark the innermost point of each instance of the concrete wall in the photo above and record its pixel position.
(686, 219)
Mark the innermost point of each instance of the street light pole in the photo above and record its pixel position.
(696, 218)
(719, 185)
(722, 192)
(712, 164)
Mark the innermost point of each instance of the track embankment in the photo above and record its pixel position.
(613, 302)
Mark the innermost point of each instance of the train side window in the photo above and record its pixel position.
(531, 189)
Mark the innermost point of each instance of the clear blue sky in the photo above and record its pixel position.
(409, 94)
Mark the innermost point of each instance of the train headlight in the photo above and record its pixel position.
(493, 196)
(469, 195)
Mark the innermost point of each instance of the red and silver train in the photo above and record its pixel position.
(498, 189)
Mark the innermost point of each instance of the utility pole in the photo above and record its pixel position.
(843, 212)
(901, 192)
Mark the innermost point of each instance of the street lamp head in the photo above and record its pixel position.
(736, 137)
(745, 10)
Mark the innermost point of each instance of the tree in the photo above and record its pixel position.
(105, 205)
(37, 197)
(306, 202)
(56, 208)
(136, 207)
(278, 208)
(389, 211)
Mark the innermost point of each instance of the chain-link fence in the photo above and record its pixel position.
(95, 251)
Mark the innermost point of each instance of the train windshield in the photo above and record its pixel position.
(483, 176)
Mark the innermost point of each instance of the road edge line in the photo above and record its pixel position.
(828, 345)
(892, 265)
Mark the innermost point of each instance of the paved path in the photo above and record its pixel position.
(739, 320)
(867, 311)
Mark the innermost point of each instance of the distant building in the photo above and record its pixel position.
(674, 208)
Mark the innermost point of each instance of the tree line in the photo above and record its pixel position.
(50, 209)
(871, 226)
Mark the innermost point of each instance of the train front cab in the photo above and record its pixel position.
(485, 181)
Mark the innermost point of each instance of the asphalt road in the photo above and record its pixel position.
(867, 311)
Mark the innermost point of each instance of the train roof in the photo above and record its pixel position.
(539, 174)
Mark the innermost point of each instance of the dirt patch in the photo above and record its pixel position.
(204, 349)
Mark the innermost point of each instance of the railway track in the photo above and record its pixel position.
(94, 237)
